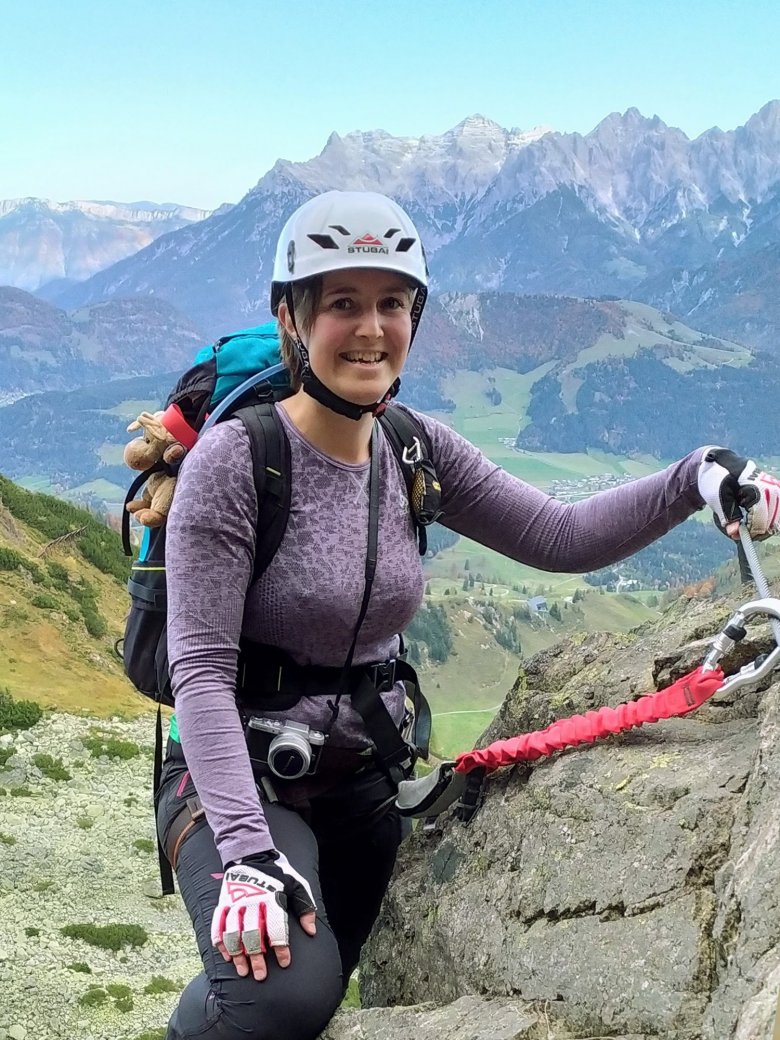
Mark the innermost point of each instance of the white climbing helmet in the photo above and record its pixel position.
(344, 229)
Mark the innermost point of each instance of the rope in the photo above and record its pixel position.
(681, 697)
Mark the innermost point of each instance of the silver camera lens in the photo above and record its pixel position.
(289, 755)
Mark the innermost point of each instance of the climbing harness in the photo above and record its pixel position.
(460, 780)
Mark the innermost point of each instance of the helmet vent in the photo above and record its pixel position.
(324, 240)
(404, 245)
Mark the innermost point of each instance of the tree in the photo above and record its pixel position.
(467, 566)
(428, 589)
(466, 583)
(555, 612)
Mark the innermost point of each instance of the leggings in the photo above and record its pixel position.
(345, 845)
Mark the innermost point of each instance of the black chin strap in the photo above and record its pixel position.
(314, 388)
(317, 389)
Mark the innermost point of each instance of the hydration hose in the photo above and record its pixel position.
(460, 779)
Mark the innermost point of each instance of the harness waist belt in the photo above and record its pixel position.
(269, 680)
(270, 673)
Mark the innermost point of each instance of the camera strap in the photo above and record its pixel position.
(370, 571)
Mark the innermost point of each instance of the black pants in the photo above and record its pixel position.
(345, 850)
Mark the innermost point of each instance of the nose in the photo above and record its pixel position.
(369, 324)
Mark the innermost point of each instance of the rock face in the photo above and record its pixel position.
(469, 1018)
(628, 889)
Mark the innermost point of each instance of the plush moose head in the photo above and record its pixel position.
(156, 444)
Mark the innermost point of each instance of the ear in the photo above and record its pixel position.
(284, 317)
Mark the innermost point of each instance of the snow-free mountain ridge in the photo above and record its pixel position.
(42, 240)
(617, 211)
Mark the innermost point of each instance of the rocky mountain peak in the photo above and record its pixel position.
(478, 124)
(42, 240)
(762, 131)
(631, 124)
(767, 117)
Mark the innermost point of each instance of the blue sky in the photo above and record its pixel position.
(191, 102)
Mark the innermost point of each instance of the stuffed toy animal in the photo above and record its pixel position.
(156, 444)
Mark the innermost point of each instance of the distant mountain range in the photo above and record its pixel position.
(633, 209)
(43, 241)
(569, 374)
(43, 348)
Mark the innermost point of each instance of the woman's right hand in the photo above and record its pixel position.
(252, 911)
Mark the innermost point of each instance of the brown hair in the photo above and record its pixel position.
(306, 300)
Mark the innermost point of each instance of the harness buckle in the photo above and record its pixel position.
(383, 675)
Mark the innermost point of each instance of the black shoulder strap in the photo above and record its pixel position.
(402, 430)
(271, 464)
(412, 448)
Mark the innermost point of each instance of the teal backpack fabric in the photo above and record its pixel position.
(240, 355)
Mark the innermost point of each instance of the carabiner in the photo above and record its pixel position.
(414, 453)
(733, 632)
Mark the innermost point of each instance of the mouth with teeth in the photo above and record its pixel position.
(366, 358)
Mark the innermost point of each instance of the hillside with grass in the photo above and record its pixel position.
(469, 639)
(62, 604)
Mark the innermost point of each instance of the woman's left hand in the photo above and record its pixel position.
(729, 483)
(252, 911)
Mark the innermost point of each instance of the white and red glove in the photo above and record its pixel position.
(252, 910)
(729, 483)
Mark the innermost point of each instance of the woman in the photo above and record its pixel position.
(349, 287)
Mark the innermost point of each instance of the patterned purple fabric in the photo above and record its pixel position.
(308, 599)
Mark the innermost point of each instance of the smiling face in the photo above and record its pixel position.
(360, 333)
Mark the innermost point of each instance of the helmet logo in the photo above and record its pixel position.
(291, 256)
(367, 243)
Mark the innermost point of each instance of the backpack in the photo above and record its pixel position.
(242, 377)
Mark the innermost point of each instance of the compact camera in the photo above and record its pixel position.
(288, 749)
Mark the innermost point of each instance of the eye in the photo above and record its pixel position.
(394, 303)
(341, 303)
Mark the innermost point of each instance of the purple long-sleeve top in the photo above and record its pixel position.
(307, 601)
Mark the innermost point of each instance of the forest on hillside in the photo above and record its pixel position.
(639, 405)
(689, 553)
